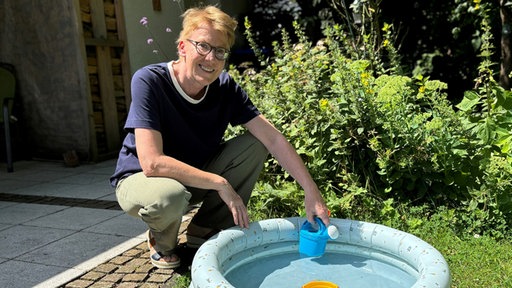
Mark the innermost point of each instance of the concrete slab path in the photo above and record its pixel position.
(57, 224)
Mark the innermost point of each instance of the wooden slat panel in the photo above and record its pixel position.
(98, 19)
(125, 63)
(103, 42)
(81, 8)
(105, 76)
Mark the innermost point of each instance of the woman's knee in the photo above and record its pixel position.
(166, 193)
(152, 197)
(167, 206)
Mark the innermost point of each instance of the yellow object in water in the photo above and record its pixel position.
(320, 284)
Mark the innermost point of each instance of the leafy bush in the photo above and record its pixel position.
(376, 142)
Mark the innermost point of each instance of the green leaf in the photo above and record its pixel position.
(470, 99)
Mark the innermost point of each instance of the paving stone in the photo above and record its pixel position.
(126, 269)
(164, 271)
(159, 278)
(113, 278)
(106, 268)
(128, 285)
(93, 276)
(137, 262)
(101, 285)
(142, 246)
(132, 253)
(153, 285)
(134, 277)
(145, 268)
(79, 284)
(63, 201)
(120, 260)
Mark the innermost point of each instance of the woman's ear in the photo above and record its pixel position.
(181, 49)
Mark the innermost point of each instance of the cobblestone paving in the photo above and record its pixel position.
(132, 268)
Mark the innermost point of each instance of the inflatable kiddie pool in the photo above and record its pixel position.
(364, 255)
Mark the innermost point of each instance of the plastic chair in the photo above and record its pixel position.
(7, 92)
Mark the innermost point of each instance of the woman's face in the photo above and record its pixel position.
(202, 70)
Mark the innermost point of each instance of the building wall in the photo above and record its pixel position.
(43, 40)
(40, 39)
(140, 52)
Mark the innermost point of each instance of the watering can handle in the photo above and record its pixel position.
(321, 224)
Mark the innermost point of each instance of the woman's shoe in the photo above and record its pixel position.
(158, 259)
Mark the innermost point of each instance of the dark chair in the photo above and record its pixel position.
(7, 92)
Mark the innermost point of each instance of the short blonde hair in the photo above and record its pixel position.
(194, 17)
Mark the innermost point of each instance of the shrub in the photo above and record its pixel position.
(374, 142)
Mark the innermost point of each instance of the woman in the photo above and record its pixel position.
(174, 155)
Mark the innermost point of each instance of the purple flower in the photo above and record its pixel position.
(144, 21)
(152, 40)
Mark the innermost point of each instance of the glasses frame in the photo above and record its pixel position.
(216, 53)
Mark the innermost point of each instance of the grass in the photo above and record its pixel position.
(182, 281)
(474, 261)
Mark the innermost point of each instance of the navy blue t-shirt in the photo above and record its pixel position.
(191, 132)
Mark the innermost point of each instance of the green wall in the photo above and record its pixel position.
(140, 53)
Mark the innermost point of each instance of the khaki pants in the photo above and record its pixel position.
(160, 202)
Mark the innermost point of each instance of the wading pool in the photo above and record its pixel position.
(364, 255)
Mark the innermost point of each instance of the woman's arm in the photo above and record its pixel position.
(290, 160)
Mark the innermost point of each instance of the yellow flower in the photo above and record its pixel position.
(387, 26)
(323, 103)
(477, 4)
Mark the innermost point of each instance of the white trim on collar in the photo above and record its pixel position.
(180, 90)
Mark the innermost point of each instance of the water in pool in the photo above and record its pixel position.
(293, 270)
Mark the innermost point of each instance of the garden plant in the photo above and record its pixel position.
(387, 147)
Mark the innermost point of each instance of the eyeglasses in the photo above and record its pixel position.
(204, 48)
